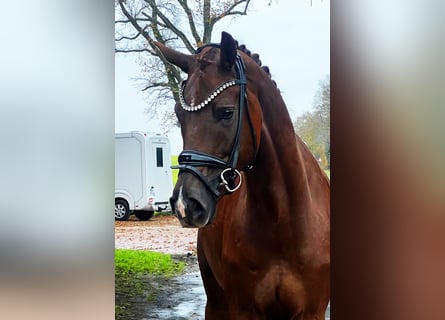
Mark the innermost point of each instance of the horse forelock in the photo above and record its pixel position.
(207, 57)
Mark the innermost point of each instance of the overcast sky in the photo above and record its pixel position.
(291, 37)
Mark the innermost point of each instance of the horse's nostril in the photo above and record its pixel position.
(195, 206)
(198, 212)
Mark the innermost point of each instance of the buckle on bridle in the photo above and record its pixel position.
(232, 179)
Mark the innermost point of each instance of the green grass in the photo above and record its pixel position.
(134, 284)
(146, 262)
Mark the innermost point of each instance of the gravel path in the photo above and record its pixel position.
(161, 233)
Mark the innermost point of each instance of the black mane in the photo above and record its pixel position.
(256, 58)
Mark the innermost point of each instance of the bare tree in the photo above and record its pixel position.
(179, 24)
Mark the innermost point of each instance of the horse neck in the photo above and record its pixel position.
(283, 161)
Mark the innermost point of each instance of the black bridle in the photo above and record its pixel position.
(190, 160)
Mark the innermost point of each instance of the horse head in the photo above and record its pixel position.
(220, 119)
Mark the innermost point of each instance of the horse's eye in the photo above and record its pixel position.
(225, 114)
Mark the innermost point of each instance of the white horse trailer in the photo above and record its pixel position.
(143, 177)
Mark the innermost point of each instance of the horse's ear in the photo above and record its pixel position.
(228, 51)
(179, 59)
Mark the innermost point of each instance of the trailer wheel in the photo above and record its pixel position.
(121, 210)
(144, 215)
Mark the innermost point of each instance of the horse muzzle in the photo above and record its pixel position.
(194, 209)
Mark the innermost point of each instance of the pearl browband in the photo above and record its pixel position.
(215, 93)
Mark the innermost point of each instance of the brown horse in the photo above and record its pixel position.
(252, 187)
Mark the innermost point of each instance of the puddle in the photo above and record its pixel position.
(184, 299)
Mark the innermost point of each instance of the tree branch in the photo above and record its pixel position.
(131, 50)
(127, 38)
(121, 21)
(231, 11)
(190, 19)
(131, 19)
(156, 85)
(171, 26)
(208, 25)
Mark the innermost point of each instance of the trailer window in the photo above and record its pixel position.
(159, 157)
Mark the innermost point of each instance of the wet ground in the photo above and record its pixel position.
(185, 302)
(177, 298)
(182, 299)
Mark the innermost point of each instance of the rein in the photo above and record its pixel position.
(190, 160)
